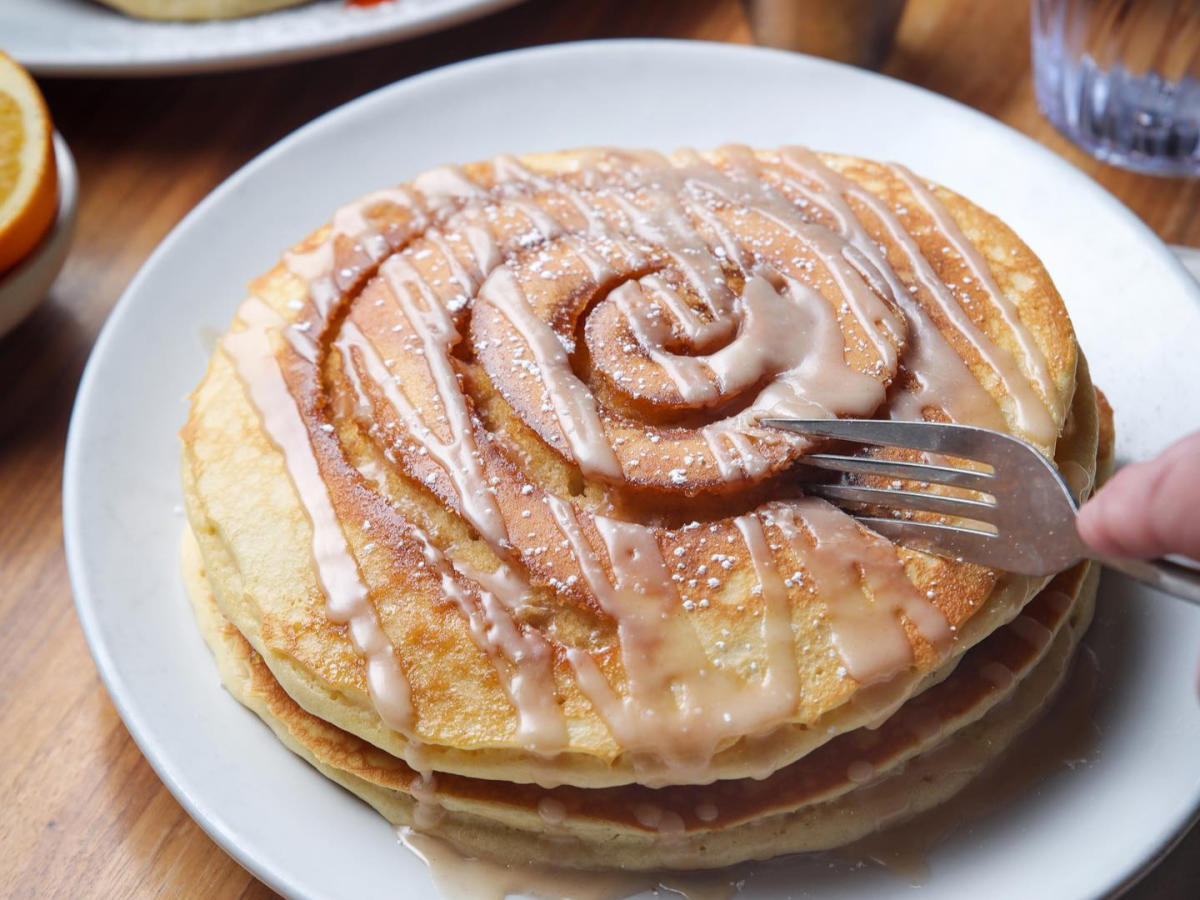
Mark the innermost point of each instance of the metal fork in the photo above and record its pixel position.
(1021, 517)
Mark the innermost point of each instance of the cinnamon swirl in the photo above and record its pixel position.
(485, 522)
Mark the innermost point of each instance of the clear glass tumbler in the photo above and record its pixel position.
(1121, 78)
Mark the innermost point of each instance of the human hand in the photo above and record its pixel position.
(1148, 508)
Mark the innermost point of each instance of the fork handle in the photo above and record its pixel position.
(1164, 574)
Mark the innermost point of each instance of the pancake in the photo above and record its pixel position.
(198, 9)
(478, 472)
(856, 784)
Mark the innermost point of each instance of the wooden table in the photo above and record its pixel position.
(81, 812)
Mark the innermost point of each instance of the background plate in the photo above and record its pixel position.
(82, 37)
(1082, 833)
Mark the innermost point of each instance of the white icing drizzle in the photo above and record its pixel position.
(347, 599)
(433, 325)
(458, 876)
(782, 678)
(316, 267)
(707, 812)
(791, 335)
(678, 705)
(943, 379)
(578, 419)
(527, 667)
(523, 659)
(1032, 409)
(860, 772)
(428, 811)
(456, 457)
(859, 578)
(552, 811)
(655, 646)
(444, 187)
(668, 824)
(862, 294)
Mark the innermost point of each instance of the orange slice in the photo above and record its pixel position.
(28, 179)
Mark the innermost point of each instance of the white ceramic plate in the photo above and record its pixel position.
(23, 287)
(1190, 257)
(1082, 833)
(82, 37)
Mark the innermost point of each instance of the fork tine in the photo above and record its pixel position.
(964, 441)
(888, 468)
(934, 503)
(942, 540)
(1032, 513)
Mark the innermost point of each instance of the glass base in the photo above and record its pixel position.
(1115, 155)
(1139, 122)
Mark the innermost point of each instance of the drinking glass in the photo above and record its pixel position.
(1120, 79)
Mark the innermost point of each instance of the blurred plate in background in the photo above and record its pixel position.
(82, 37)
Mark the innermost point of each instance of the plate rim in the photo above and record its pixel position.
(460, 11)
(138, 724)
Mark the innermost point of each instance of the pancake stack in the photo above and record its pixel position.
(485, 526)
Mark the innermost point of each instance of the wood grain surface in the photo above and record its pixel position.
(81, 812)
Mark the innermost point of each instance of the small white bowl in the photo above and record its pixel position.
(23, 287)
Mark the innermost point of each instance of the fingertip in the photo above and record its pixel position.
(1113, 521)
(1096, 519)
(1087, 522)
(1085, 526)
(1148, 508)
(1091, 524)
